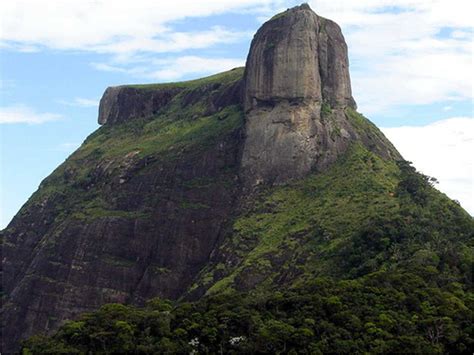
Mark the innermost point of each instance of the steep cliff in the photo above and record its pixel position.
(252, 180)
(297, 92)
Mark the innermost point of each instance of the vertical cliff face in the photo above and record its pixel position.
(298, 56)
(120, 104)
(297, 67)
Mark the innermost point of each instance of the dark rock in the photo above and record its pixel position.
(54, 271)
(215, 96)
(193, 96)
(296, 66)
(121, 103)
(230, 95)
(298, 55)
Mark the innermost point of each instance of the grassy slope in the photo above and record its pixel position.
(173, 133)
(348, 222)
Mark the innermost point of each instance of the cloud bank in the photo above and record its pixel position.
(406, 52)
(444, 150)
(24, 114)
(169, 69)
(115, 26)
(80, 102)
(403, 52)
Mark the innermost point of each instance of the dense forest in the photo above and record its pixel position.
(383, 312)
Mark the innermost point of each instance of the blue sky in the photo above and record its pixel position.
(411, 69)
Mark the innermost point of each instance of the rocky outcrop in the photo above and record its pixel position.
(286, 142)
(163, 219)
(296, 67)
(137, 213)
(128, 226)
(297, 56)
(122, 103)
(214, 96)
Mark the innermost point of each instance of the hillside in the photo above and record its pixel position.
(356, 259)
(251, 211)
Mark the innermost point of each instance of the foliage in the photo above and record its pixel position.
(326, 109)
(79, 188)
(361, 216)
(365, 127)
(384, 265)
(365, 257)
(414, 184)
(380, 313)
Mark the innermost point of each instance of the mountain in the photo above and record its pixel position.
(261, 196)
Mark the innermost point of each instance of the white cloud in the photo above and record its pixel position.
(172, 41)
(175, 68)
(444, 150)
(115, 26)
(452, 13)
(80, 102)
(131, 34)
(24, 114)
(398, 55)
(108, 67)
(172, 69)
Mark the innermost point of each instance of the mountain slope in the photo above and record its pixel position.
(363, 215)
(365, 257)
(135, 211)
(248, 182)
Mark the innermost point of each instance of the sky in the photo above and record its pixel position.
(411, 64)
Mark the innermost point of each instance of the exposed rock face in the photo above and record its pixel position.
(124, 103)
(298, 55)
(286, 142)
(129, 216)
(125, 227)
(170, 216)
(121, 103)
(297, 63)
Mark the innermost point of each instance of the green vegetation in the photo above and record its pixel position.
(365, 257)
(386, 312)
(77, 188)
(363, 215)
(279, 15)
(326, 109)
(365, 127)
(378, 262)
(166, 135)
